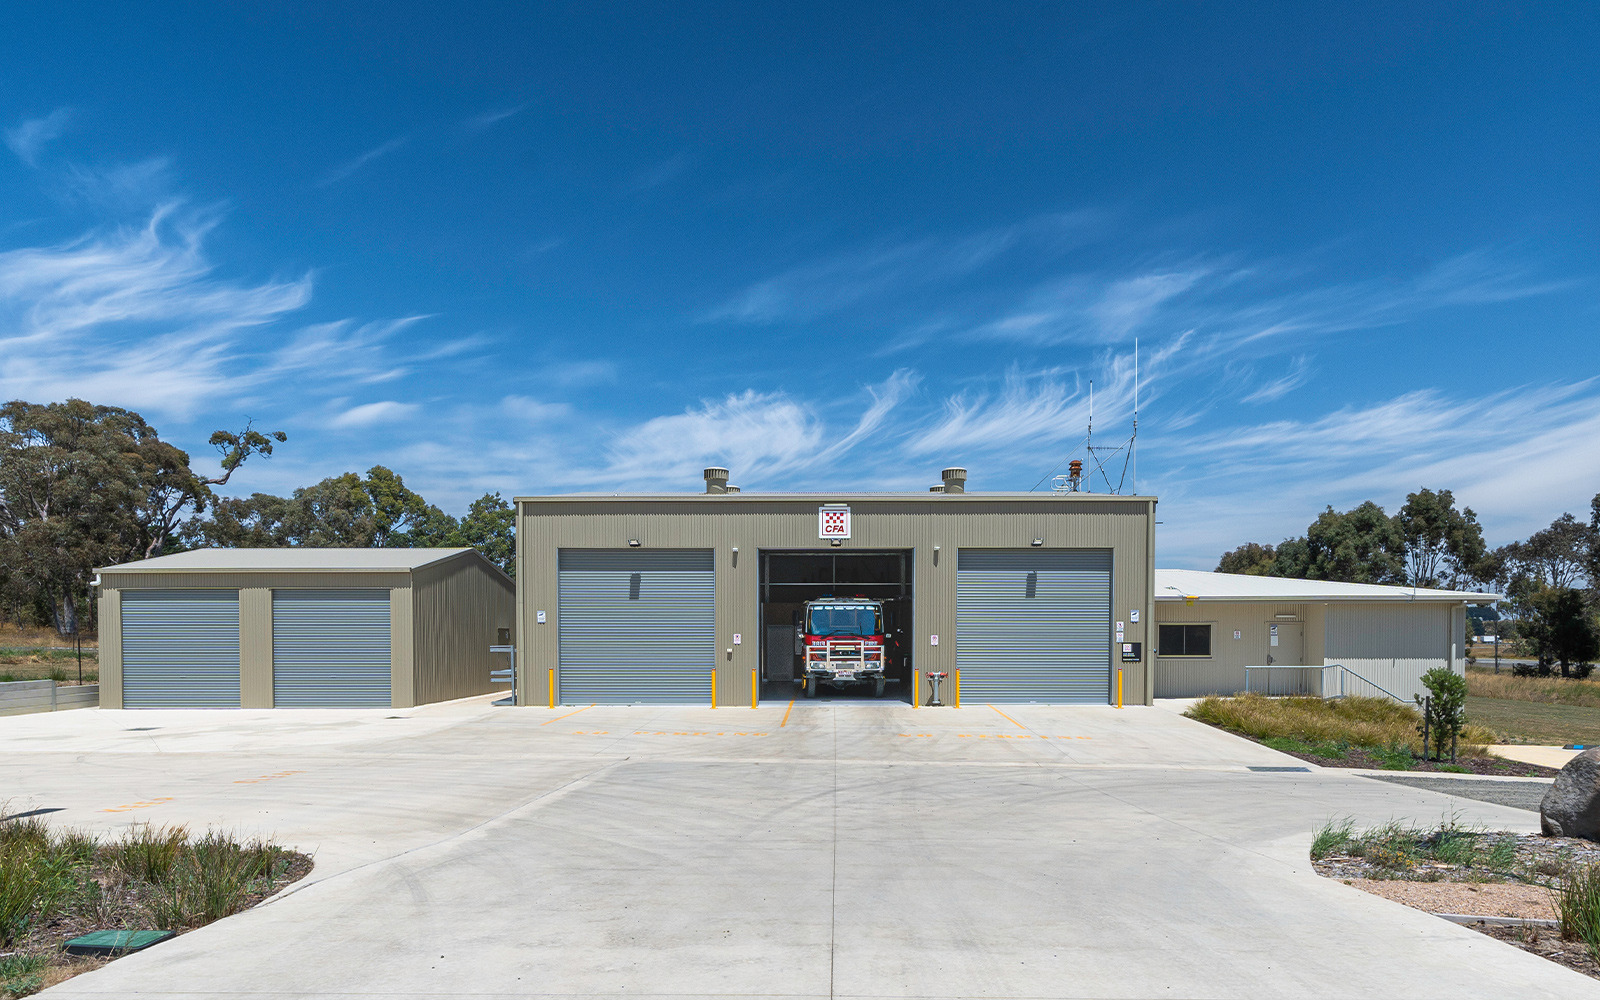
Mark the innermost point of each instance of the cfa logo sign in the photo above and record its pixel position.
(833, 521)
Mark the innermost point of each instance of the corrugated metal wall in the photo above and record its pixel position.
(750, 522)
(255, 622)
(1223, 671)
(1032, 624)
(461, 604)
(1392, 645)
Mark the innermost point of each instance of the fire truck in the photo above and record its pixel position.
(843, 642)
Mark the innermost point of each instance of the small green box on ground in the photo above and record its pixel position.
(114, 942)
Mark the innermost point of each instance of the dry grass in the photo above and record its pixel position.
(1360, 722)
(1483, 683)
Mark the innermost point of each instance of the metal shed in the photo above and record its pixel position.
(301, 628)
(685, 598)
(1349, 638)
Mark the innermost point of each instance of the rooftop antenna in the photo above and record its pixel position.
(1133, 457)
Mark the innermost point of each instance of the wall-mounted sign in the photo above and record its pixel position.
(833, 521)
(738, 637)
(1133, 615)
(1237, 634)
(540, 615)
(933, 640)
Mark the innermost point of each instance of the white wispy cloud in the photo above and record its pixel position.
(1275, 389)
(366, 415)
(485, 119)
(345, 169)
(28, 139)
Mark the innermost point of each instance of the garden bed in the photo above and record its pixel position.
(1369, 733)
(57, 885)
(1469, 872)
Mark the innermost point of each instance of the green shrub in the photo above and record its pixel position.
(1447, 691)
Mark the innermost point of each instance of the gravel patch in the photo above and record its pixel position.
(1517, 794)
(1488, 899)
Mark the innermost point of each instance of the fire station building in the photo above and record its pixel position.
(694, 598)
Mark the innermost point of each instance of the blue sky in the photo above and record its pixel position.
(572, 247)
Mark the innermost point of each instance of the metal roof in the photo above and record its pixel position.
(1040, 496)
(298, 559)
(1184, 584)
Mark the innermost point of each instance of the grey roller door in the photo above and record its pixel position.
(330, 649)
(1034, 625)
(180, 649)
(635, 626)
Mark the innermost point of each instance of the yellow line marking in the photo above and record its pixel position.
(1009, 719)
(567, 716)
(138, 805)
(786, 712)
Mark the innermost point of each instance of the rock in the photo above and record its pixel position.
(1571, 808)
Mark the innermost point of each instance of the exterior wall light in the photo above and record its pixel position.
(633, 543)
(1038, 541)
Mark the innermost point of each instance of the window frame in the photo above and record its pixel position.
(1210, 652)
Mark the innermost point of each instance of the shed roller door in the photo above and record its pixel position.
(635, 626)
(180, 649)
(1034, 625)
(330, 649)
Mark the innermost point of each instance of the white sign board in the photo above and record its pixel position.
(933, 640)
(541, 617)
(1237, 634)
(1133, 615)
(833, 521)
(738, 638)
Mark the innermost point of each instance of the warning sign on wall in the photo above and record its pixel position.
(833, 521)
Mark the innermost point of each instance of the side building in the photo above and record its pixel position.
(694, 598)
(301, 628)
(1371, 640)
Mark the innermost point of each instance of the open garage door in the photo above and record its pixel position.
(330, 649)
(180, 649)
(635, 626)
(1034, 625)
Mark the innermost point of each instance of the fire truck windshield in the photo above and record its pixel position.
(845, 619)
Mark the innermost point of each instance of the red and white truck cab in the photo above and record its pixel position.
(843, 642)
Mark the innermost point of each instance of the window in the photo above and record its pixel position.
(1183, 640)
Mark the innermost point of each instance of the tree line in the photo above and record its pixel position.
(1551, 579)
(84, 486)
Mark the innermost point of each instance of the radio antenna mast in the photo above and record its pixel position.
(1133, 455)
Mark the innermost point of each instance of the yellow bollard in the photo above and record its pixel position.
(552, 687)
(713, 689)
(1119, 687)
(752, 687)
(956, 689)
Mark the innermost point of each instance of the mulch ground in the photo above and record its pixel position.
(1547, 944)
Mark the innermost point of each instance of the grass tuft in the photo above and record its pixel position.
(148, 854)
(20, 973)
(1334, 836)
(1578, 905)
(1483, 683)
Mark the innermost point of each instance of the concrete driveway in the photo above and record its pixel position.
(824, 849)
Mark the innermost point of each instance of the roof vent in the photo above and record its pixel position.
(730, 488)
(955, 480)
(936, 489)
(716, 480)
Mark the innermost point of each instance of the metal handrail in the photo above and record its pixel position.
(1370, 683)
(1273, 666)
